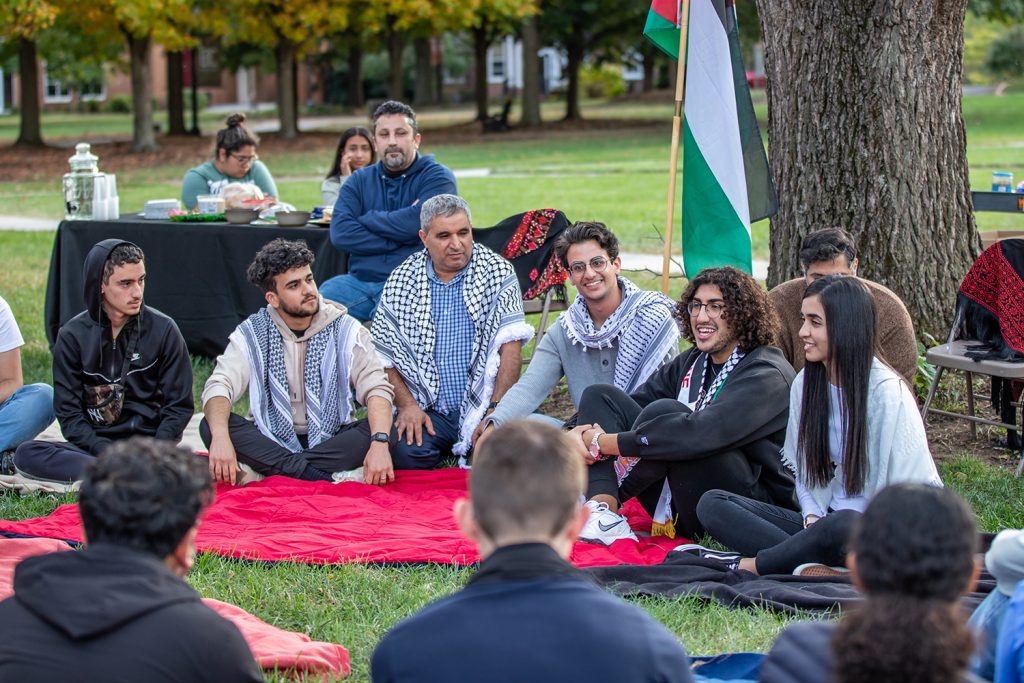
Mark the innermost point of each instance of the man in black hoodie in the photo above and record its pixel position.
(119, 610)
(713, 418)
(120, 369)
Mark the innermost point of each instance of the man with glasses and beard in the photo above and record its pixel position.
(302, 360)
(376, 219)
(712, 418)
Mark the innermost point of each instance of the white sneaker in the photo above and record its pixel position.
(350, 475)
(604, 526)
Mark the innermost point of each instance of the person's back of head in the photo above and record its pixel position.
(913, 554)
(525, 486)
(144, 494)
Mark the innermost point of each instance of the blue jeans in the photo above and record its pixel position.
(986, 622)
(434, 449)
(359, 297)
(24, 414)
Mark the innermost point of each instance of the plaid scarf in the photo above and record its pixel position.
(642, 324)
(324, 377)
(404, 334)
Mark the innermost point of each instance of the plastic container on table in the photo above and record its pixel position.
(1002, 181)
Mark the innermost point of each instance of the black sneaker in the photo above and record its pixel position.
(730, 559)
(7, 462)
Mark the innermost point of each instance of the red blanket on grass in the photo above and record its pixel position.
(274, 649)
(409, 520)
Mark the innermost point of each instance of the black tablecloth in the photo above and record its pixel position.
(195, 272)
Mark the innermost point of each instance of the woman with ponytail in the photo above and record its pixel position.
(234, 161)
(912, 556)
(854, 428)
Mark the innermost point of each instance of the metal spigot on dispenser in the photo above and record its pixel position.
(80, 184)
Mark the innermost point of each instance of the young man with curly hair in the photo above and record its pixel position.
(714, 417)
(302, 359)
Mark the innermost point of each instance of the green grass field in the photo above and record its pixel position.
(618, 178)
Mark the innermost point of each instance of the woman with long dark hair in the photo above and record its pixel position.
(912, 555)
(234, 161)
(854, 428)
(355, 150)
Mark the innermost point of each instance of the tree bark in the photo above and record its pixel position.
(397, 83)
(143, 138)
(423, 88)
(287, 112)
(531, 73)
(574, 61)
(868, 135)
(481, 41)
(355, 76)
(30, 131)
(175, 95)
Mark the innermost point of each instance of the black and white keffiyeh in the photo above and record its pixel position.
(404, 334)
(325, 379)
(643, 324)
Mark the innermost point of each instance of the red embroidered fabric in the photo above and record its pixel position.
(996, 284)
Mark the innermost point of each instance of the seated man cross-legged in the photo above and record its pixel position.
(527, 614)
(301, 359)
(614, 332)
(712, 418)
(450, 329)
(120, 369)
(25, 410)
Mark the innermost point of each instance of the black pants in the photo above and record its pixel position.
(775, 537)
(688, 480)
(346, 450)
(54, 460)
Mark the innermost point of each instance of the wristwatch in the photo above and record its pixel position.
(381, 437)
(595, 447)
(492, 405)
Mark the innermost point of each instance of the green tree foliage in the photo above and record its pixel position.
(1006, 54)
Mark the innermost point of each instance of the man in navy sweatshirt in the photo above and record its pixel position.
(527, 614)
(376, 219)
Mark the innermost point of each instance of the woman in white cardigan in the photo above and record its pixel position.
(854, 428)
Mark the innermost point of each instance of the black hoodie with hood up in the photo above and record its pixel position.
(110, 613)
(158, 396)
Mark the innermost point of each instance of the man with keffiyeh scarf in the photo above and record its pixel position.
(449, 330)
(714, 417)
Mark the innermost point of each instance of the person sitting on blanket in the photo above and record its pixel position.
(120, 369)
(712, 418)
(25, 410)
(119, 610)
(832, 251)
(527, 614)
(912, 555)
(854, 428)
(613, 333)
(449, 329)
(302, 360)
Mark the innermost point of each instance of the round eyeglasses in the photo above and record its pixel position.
(714, 308)
(598, 264)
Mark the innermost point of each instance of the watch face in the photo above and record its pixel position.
(380, 436)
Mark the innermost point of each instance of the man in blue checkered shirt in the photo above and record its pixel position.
(449, 330)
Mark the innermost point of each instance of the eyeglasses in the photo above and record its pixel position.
(598, 263)
(714, 308)
(244, 160)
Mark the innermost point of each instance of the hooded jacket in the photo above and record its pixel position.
(110, 613)
(376, 219)
(158, 381)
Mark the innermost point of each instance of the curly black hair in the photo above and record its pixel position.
(914, 549)
(276, 257)
(126, 252)
(751, 318)
(395, 107)
(145, 494)
(584, 231)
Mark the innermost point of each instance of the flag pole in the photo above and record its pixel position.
(677, 117)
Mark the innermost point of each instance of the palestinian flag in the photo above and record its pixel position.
(726, 183)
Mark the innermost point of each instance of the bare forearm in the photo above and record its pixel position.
(403, 397)
(510, 366)
(7, 388)
(217, 411)
(378, 414)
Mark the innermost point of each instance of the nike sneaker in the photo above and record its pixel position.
(604, 526)
(730, 559)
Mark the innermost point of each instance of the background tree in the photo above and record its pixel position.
(1006, 55)
(868, 135)
(490, 20)
(530, 36)
(21, 22)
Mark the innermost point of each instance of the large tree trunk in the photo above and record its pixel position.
(867, 135)
(423, 90)
(30, 130)
(574, 61)
(355, 76)
(396, 81)
(531, 73)
(287, 111)
(175, 95)
(143, 138)
(481, 41)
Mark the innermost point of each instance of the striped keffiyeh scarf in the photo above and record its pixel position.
(643, 325)
(325, 379)
(404, 334)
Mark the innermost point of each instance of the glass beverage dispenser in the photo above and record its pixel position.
(79, 184)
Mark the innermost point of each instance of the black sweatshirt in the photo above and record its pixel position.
(158, 396)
